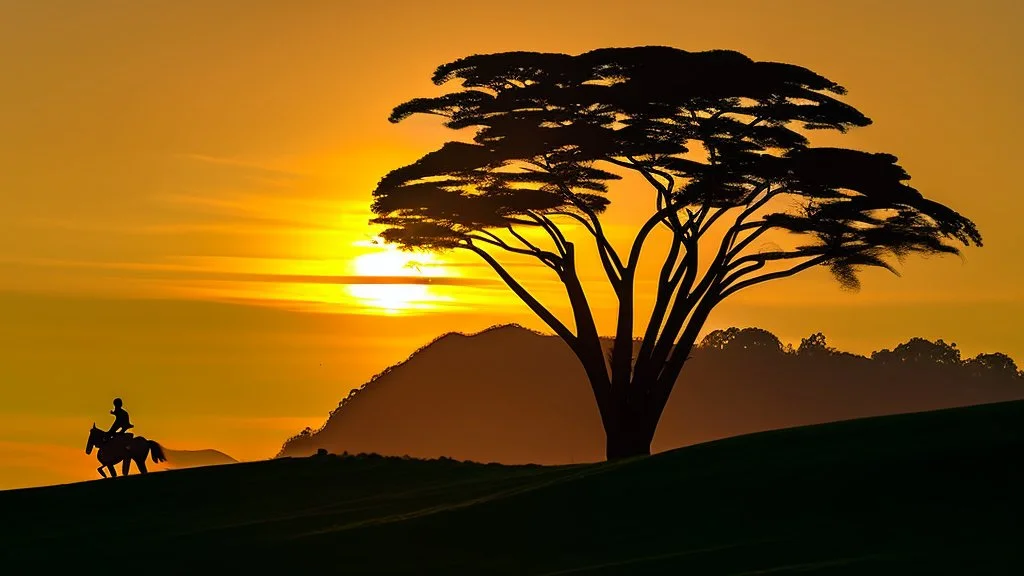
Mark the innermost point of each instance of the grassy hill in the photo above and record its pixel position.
(935, 493)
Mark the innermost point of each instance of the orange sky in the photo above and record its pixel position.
(185, 189)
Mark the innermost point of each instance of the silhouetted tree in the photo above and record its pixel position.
(746, 339)
(815, 345)
(994, 363)
(719, 339)
(719, 139)
(921, 350)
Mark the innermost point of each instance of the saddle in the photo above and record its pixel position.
(121, 436)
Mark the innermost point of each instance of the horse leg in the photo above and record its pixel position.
(100, 470)
(126, 466)
(113, 473)
(141, 464)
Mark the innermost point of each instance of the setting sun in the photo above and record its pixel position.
(399, 296)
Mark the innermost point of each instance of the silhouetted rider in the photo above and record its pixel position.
(121, 421)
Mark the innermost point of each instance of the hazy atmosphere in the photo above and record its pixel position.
(186, 188)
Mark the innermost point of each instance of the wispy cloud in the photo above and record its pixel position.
(186, 272)
(240, 163)
(265, 204)
(346, 279)
(235, 226)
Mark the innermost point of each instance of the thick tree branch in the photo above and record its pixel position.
(543, 313)
(525, 242)
(647, 227)
(705, 226)
(553, 232)
(668, 280)
(622, 351)
(607, 250)
(755, 206)
(669, 354)
(688, 297)
(596, 229)
(547, 258)
(583, 221)
(665, 380)
(664, 190)
(698, 218)
(774, 275)
(659, 341)
(738, 247)
(588, 343)
(609, 259)
(742, 272)
(765, 257)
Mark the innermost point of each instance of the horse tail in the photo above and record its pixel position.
(157, 452)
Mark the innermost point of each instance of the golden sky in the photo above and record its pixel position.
(185, 188)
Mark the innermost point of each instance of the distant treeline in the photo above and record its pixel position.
(914, 351)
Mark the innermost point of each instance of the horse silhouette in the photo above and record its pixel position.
(124, 448)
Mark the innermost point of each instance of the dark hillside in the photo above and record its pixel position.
(931, 493)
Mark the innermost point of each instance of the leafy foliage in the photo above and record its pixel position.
(716, 128)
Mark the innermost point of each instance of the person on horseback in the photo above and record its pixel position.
(121, 422)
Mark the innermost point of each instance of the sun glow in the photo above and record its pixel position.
(399, 296)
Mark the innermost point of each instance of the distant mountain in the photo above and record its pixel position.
(194, 458)
(512, 395)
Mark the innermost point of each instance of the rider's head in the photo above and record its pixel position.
(117, 402)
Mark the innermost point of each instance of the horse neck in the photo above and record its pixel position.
(102, 441)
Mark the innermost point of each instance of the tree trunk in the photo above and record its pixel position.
(626, 442)
(630, 431)
(632, 422)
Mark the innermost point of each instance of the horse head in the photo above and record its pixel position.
(95, 435)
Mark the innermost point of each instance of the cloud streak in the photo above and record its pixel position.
(237, 225)
(236, 163)
(337, 279)
(172, 271)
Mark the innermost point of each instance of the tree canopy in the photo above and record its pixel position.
(714, 134)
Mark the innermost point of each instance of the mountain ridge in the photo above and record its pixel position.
(177, 459)
(514, 395)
